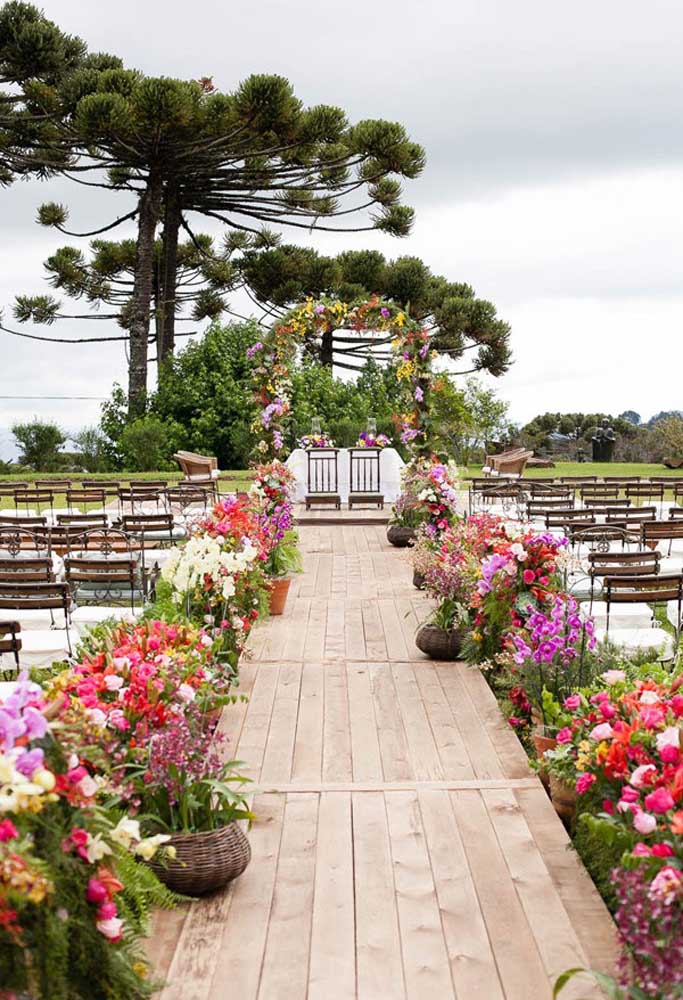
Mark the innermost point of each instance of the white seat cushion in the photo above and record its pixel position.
(41, 648)
(633, 640)
(621, 615)
(35, 619)
(91, 614)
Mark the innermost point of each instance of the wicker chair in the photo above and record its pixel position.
(197, 468)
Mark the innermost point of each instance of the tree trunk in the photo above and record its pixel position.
(169, 275)
(150, 205)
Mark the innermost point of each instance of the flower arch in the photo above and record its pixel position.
(275, 355)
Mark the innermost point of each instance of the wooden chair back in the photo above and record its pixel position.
(631, 515)
(10, 639)
(675, 513)
(646, 589)
(569, 519)
(82, 522)
(27, 570)
(646, 491)
(92, 495)
(34, 498)
(33, 522)
(601, 504)
(8, 489)
(644, 562)
(598, 491)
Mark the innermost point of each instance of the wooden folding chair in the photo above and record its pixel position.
(365, 478)
(37, 596)
(646, 589)
(10, 639)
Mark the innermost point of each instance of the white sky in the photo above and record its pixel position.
(553, 186)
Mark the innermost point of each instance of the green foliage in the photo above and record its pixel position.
(206, 392)
(285, 557)
(92, 447)
(40, 442)
(148, 443)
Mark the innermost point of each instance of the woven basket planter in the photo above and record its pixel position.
(399, 536)
(541, 744)
(418, 580)
(439, 643)
(277, 599)
(564, 799)
(204, 861)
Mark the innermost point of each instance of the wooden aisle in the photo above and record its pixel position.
(402, 848)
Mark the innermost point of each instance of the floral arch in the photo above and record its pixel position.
(275, 356)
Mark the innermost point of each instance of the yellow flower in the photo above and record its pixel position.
(140, 970)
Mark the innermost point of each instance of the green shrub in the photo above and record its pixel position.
(40, 442)
(147, 444)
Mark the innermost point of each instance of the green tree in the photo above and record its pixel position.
(147, 444)
(40, 443)
(465, 329)
(487, 414)
(91, 446)
(667, 437)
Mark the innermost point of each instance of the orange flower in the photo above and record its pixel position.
(676, 825)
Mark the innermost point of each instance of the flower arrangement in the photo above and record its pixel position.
(429, 495)
(271, 496)
(309, 441)
(73, 900)
(368, 440)
(274, 357)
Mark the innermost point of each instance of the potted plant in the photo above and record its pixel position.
(442, 636)
(560, 764)
(283, 559)
(187, 792)
(404, 522)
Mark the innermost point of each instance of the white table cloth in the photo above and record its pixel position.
(390, 466)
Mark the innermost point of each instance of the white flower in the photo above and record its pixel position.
(126, 831)
(96, 848)
(148, 847)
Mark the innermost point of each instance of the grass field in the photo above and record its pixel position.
(599, 469)
(236, 479)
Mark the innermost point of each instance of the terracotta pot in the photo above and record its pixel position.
(564, 798)
(399, 536)
(279, 588)
(204, 861)
(541, 744)
(439, 643)
(418, 580)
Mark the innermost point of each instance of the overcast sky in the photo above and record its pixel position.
(553, 184)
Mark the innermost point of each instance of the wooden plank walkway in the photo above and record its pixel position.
(402, 848)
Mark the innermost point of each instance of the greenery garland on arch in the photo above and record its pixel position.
(275, 355)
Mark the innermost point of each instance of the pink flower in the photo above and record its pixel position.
(608, 710)
(641, 850)
(96, 891)
(659, 801)
(652, 717)
(572, 702)
(641, 775)
(528, 576)
(611, 677)
(629, 794)
(662, 851)
(671, 737)
(669, 754)
(112, 929)
(113, 682)
(8, 831)
(118, 720)
(602, 732)
(644, 823)
(666, 884)
(583, 783)
(564, 735)
(107, 911)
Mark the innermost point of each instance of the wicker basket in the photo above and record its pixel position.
(204, 861)
(418, 580)
(400, 536)
(439, 643)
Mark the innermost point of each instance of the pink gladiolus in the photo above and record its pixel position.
(641, 775)
(644, 823)
(602, 732)
(111, 929)
(8, 831)
(584, 782)
(96, 892)
(659, 801)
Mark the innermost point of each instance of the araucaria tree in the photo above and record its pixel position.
(252, 158)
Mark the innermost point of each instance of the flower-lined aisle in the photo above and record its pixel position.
(603, 729)
(111, 764)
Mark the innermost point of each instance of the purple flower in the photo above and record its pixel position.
(424, 351)
(419, 394)
(254, 349)
(277, 440)
(320, 308)
(30, 761)
(385, 312)
(11, 728)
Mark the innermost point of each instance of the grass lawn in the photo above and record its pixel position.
(599, 469)
(229, 482)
